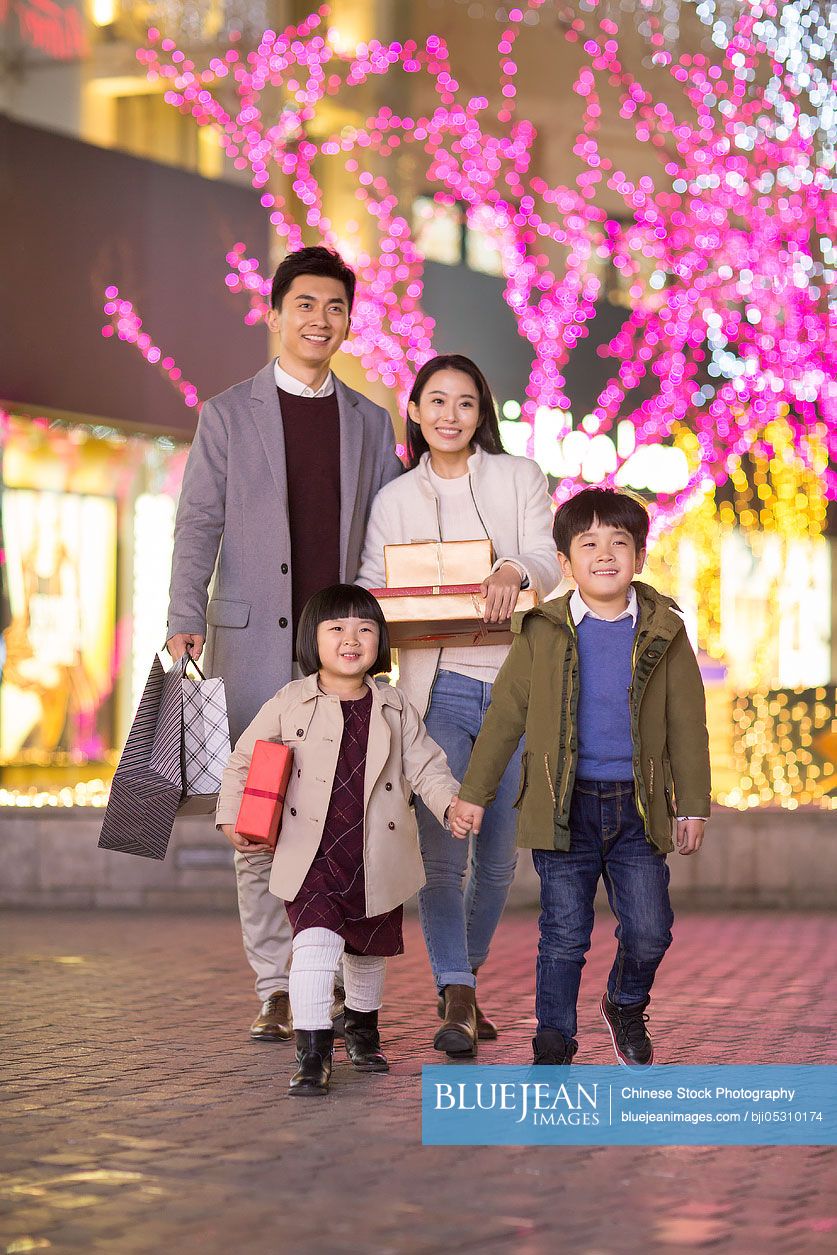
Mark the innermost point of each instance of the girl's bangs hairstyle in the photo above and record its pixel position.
(605, 505)
(340, 601)
(487, 435)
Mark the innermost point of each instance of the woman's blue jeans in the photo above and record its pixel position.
(459, 922)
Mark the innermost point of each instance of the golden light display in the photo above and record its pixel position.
(764, 739)
(788, 741)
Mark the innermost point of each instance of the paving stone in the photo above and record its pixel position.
(139, 1119)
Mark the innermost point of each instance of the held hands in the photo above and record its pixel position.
(465, 818)
(242, 844)
(500, 591)
(177, 645)
(690, 835)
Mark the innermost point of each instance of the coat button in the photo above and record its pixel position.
(298, 774)
(293, 810)
(299, 731)
(284, 568)
(391, 826)
(283, 622)
(388, 787)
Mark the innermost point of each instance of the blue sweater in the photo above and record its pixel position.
(605, 749)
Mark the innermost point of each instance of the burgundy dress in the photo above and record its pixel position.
(333, 894)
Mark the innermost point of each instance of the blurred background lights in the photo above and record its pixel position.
(738, 192)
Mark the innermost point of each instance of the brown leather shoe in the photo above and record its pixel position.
(486, 1029)
(274, 1022)
(338, 1011)
(458, 1033)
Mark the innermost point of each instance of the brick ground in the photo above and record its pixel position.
(140, 1119)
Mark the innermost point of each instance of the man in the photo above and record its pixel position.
(280, 477)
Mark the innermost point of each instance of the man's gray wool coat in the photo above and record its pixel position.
(234, 498)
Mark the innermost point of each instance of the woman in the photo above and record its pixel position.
(462, 486)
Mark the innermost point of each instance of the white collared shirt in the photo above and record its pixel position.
(288, 384)
(579, 608)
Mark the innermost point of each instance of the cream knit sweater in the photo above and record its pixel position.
(460, 521)
(511, 503)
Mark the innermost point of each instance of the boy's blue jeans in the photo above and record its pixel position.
(607, 839)
(459, 922)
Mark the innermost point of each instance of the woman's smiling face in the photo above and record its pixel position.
(447, 411)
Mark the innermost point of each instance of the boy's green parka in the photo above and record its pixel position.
(536, 692)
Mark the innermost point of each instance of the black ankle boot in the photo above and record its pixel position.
(313, 1055)
(552, 1047)
(363, 1041)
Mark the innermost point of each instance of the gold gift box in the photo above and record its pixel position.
(432, 562)
(440, 616)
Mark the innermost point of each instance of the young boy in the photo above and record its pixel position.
(606, 687)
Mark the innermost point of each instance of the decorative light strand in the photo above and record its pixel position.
(126, 323)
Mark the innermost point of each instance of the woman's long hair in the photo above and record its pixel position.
(487, 435)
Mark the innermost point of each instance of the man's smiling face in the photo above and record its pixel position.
(312, 322)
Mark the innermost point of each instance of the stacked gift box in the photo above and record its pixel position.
(433, 595)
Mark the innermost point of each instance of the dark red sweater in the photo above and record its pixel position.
(312, 457)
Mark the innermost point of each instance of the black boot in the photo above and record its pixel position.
(552, 1047)
(313, 1055)
(363, 1041)
(630, 1037)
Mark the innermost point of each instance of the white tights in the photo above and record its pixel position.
(316, 953)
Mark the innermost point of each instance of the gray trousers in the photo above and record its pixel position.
(265, 928)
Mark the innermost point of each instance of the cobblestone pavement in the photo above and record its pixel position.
(139, 1118)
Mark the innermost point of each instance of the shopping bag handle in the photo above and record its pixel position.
(185, 659)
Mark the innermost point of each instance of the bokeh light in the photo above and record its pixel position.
(731, 327)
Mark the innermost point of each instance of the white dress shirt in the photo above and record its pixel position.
(288, 384)
(579, 608)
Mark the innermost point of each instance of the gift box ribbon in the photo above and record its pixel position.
(474, 591)
(427, 590)
(265, 793)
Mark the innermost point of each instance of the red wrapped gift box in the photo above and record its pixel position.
(260, 813)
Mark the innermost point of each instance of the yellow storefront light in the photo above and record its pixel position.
(104, 12)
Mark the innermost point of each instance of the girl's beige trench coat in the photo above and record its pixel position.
(401, 759)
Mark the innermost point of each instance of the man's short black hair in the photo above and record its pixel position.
(315, 260)
(606, 506)
(339, 601)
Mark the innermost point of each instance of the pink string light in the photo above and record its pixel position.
(736, 212)
(126, 324)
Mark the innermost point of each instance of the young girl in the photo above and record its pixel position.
(347, 857)
(462, 486)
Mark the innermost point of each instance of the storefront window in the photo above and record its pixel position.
(88, 523)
